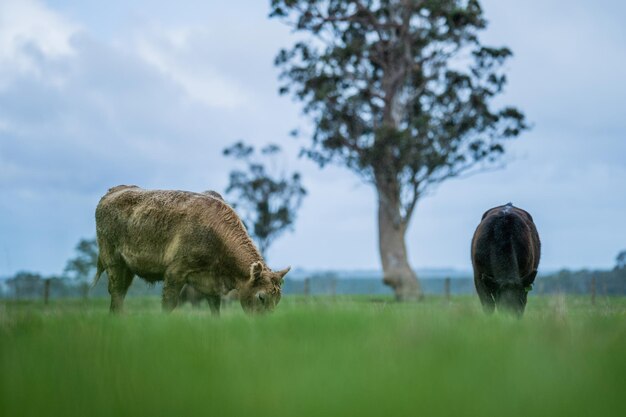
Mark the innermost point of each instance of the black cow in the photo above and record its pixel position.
(505, 257)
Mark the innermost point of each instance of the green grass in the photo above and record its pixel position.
(314, 357)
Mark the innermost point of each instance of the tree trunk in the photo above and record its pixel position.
(397, 272)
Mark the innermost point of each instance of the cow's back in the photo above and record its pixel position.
(149, 229)
(130, 214)
(506, 237)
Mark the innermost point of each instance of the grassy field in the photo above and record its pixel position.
(314, 357)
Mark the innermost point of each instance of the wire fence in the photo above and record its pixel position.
(47, 289)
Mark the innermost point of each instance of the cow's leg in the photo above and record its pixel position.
(214, 303)
(120, 278)
(207, 287)
(484, 295)
(171, 291)
(196, 297)
(182, 297)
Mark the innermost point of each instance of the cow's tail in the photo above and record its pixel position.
(99, 271)
(506, 246)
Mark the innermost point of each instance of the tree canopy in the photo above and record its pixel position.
(620, 260)
(269, 201)
(83, 265)
(398, 88)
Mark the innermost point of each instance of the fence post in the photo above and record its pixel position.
(84, 290)
(446, 288)
(593, 290)
(306, 287)
(333, 287)
(46, 291)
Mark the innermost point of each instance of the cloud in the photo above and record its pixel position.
(31, 35)
(174, 53)
(567, 62)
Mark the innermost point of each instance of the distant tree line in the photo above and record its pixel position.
(28, 285)
(612, 282)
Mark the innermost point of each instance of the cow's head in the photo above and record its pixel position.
(510, 296)
(262, 291)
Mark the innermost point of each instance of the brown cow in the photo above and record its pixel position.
(505, 256)
(180, 238)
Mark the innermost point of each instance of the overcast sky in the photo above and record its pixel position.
(95, 94)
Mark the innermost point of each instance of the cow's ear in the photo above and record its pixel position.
(528, 280)
(256, 272)
(283, 272)
(279, 277)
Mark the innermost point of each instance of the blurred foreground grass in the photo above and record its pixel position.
(314, 357)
